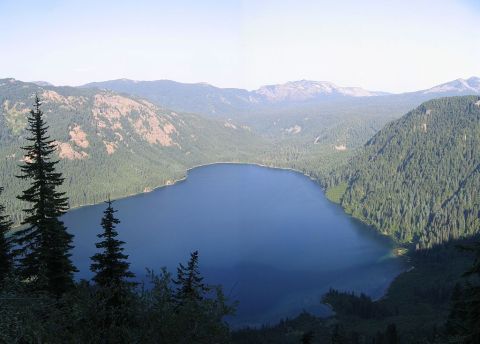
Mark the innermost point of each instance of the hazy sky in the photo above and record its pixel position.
(380, 45)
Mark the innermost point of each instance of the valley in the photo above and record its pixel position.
(381, 166)
(311, 127)
(240, 172)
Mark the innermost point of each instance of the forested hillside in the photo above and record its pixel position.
(417, 179)
(111, 144)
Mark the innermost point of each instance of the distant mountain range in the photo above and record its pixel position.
(210, 100)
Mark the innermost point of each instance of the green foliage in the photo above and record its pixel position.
(44, 243)
(198, 315)
(455, 325)
(288, 331)
(417, 180)
(463, 323)
(6, 259)
(335, 193)
(113, 294)
(362, 306)
(85, 315)
(189, 282)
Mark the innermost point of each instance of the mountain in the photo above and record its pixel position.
(42, 83)
(210, 100)
(417, 179)
(309, 112)
(298, 91)
(456, 87)
(111, 144)
(196, 98)
(224, 102)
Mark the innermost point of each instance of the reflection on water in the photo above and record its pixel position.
(270, 237)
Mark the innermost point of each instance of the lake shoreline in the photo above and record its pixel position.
(172, 182)
(397, 251)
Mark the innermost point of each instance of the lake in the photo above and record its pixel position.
(269, 236)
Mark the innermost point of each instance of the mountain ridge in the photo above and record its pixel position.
(210, 100)
(460, 85)
(471, 83)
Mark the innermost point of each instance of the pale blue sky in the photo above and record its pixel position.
(380, 45)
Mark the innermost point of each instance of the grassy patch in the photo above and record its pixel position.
(16, 121)
(336, 192)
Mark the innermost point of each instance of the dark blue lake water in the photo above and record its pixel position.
(269, 236)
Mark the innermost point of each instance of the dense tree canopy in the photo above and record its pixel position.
(6, 259)
(417, 180)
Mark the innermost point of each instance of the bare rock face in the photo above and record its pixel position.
(79, 137)
(111, 112)
(66, 151)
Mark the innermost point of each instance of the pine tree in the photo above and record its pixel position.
(198, 309)
(114, 296)
(5, 244)
(110, 266)
(44, 244)
(189, 282)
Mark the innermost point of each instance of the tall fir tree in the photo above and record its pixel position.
(44, 244)
(110, 266)
(5, 244)
(113, 310)
(190, 287)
